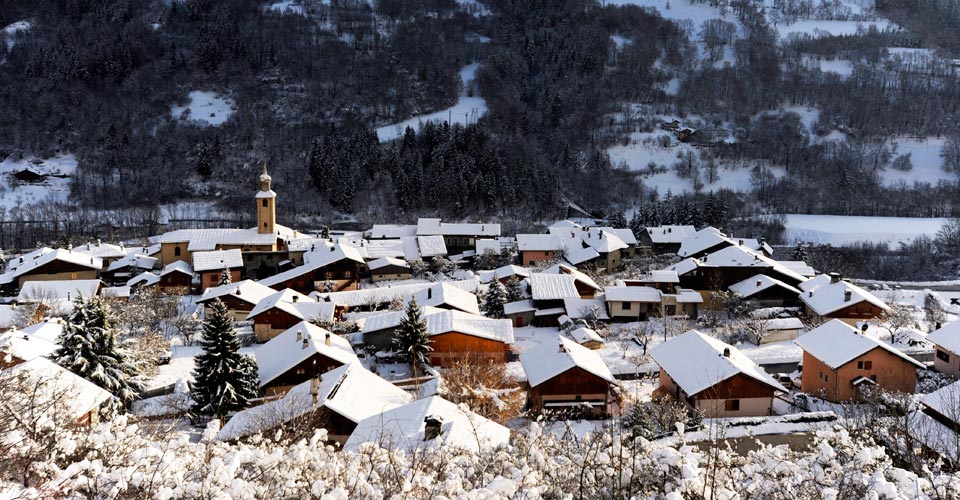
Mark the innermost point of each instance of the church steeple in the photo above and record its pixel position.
(266, 205)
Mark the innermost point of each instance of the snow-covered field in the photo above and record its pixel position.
(468, 109)
(13, 193)
(285, 7)
(925, 156)
(682, 11)
(206, 108)
(843, 229)
(816, 27)
(842, 67)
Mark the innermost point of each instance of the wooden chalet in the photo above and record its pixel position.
(240, 297)
(457, 237)
(210, 266)
(566, 374)
(838, 360)
(664, 239)
(47, 264)
(766, 291)
(176, 277)
(946, 342)
(300, 353)
(339, 264)
(388, 268)
(713, 377)
(278, 312)
(831, 297)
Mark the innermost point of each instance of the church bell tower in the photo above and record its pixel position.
(266, 205)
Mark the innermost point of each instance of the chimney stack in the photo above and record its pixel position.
(863, 328)
(326, 338)
(295, 298)
(429, 293)
(305, 342)
(759, 283)
(561, 347)
(299, 335)
(726, 352)
(315, 389)
(835, 277)
(432, 426)
(847, 294)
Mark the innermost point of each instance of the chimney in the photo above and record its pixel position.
(810, 293)
(847, 294)
(305, 342)
(759, 283)
(726, 352)
(432, 426)
(69, 248)
(98, 242)
(68, 295)
(299, 335)
(863, 328)
(560, 345)
(315, 389)
(835, 277)
(669, 229)
(295, 298)
(429, 293)
(740, 242)
(326, 338)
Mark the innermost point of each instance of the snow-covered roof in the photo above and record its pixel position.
(757, 284)
(295, 304)
(43, 258)
(488, 244)
(577, 308)
(632, 294)
(320, 256)
(474, 325)
(178, 266)
(147, 250)
(625, 234)
(783, 324)
(431, 246)
(552, 286)
(687, 296)
(391, 231)
(576, 253)
(945, 401)
(800, 267)
(836, 343)
(54, 385)
(947, 337)
(247, 290)
(199, 240)
(116, 291)
(685, 266)
(428, 227)
(217, 260)
(549, 359)
(696, 362)
(538, 242)
(34, 291)
(579, 276)
(402, 428)
(145, 278)
(49, 329)
(350, 391)
(824, 297)
(381, 295)
(702, 240)
(602, 240)
(669, 234)
(102, 250)
(24, 346)
(739, 256)
(519, 307)
(663, 276)
(445, 293)
(134, 260)
(583, 335)
(387, 261)
(295, 345)
(503, 272)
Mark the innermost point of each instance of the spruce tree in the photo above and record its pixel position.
(89, 348)
(514, 292)
(494, 299)
(225, 379)
(225, 278)
(412, 337)
(799, 252)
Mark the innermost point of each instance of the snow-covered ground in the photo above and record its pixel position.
(925, 156)
(842, 67)
(468, 109)
(56, 187)
(285, 7)
(205, 107)
(816, 27)
(9, 32)
(683, 11)
(843, 229)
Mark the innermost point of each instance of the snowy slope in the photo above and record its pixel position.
(839, 229)
(205, 108)
(55, 188)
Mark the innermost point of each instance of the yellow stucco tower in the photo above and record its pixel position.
(266, 205)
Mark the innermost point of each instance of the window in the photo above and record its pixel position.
(864, 365)
(731, 405)
(264, 203)
(264, 224)
(346, 274)
(943, 356)
(826, 378)
(176, 251)
(626, 306)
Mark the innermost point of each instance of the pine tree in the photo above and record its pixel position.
(799, 251)
(514, 292)
(412, 336)
(89, 348)
(618, 220)
(225, 379)
(225, 278)
(494, 299)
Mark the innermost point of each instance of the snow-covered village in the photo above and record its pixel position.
(480, 249)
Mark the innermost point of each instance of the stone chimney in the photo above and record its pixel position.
(836, 277)
(432, 427)
(726, 352)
